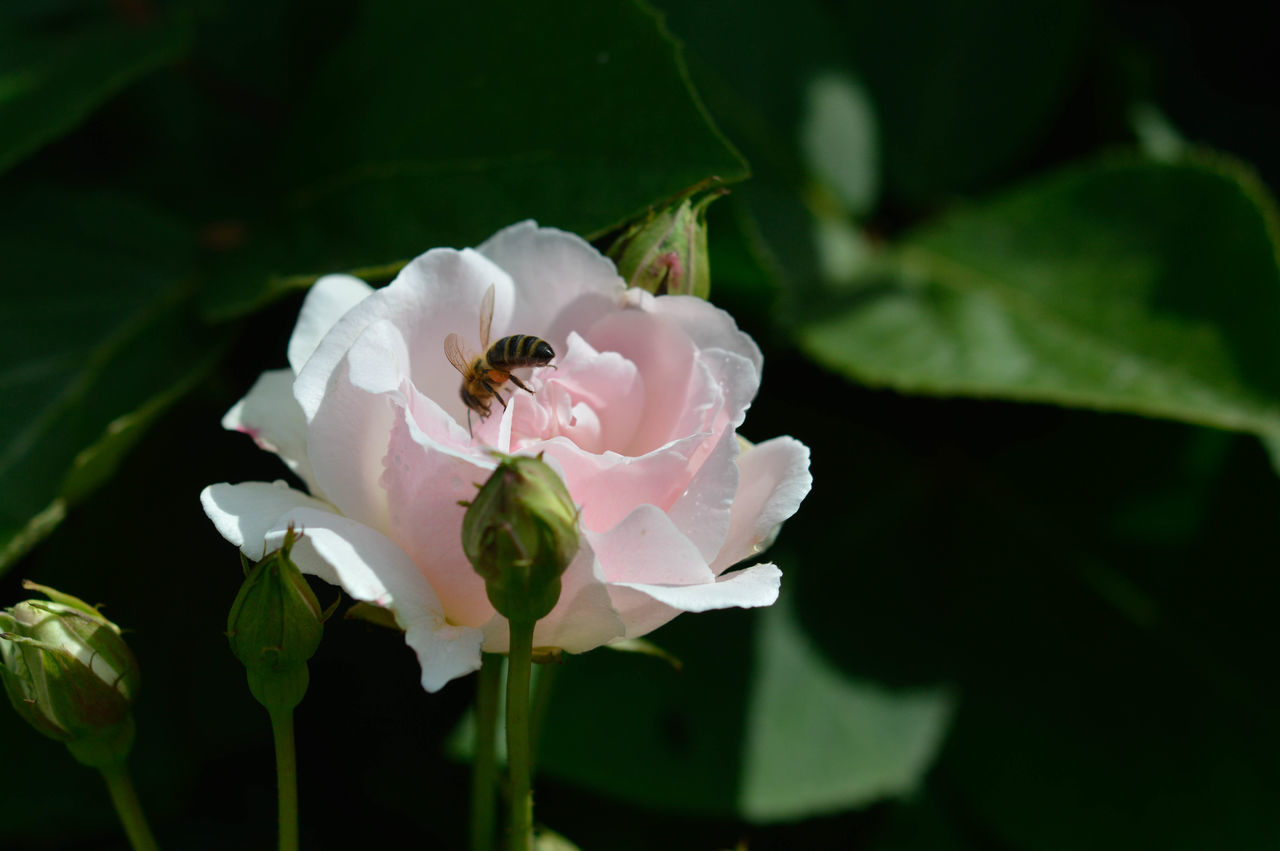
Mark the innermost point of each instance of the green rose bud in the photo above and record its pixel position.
(274, 627)
(70, 675)
(666, 253)
(520, 533)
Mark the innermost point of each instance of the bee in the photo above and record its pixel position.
(483, 375)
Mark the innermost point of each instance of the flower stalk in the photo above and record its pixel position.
(128, 809)
(484, 770)
(286, 778)
(70, 675)
(520, 534)
(519, 764)
(274, 627)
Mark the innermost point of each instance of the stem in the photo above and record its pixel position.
(520, 662)
(286, 777)
(538, 711)
(127, 807)
(484, 769)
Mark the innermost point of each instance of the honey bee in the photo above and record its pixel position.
(483, 375)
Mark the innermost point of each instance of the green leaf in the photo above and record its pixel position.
(733, 734)
(51, 83)
(1124, 285)
(97, 338)
(874, 742)
(423, 129)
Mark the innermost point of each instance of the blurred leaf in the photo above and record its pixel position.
(96, 337)
(785, 89)
(840, 140)
(962, 88)
(919, 824)
(423, 130)
(874, 743)
(733, 734)
(1120, 285)
(49, 83)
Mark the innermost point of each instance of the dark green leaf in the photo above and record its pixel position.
(962, 89)
(414, 137)
(50, 83)
(1119, 285)
(96, 337)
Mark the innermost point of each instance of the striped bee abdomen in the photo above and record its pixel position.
(519, 350)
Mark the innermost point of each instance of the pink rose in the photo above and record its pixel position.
(638, 416)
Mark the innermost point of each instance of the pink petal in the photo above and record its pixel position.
(703, 510)
(608, 486)
(747, 588)
(424, 484)
(708, 326)
(649, 606)
(551, 270)
(774, 478)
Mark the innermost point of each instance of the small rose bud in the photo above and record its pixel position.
(666, 253)
(69, 674)
(520, 533)
(274, 627)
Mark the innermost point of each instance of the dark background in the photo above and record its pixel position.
(1018, 626)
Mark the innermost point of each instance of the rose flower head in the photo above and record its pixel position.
(636, 412)
(521, 533)
(69, 673)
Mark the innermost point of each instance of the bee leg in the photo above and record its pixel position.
(496, 394)
(470, 433)
(517, 382)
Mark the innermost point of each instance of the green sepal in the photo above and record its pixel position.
(520, 533)
(108, 746)
(275, 625)
(666, 252)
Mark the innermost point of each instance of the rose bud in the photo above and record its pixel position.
(666, 253)
(70, 674)
(520, 533)
(274, 627)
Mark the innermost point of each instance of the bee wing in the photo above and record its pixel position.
(456, 354)
(486, 318)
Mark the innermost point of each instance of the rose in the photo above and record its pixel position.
(638, 416)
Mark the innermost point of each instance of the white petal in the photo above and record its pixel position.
(773, 479)
(245, 513)
(551, 269)
(437, 294)
(271, 416)
(747, 588)
(327, 301)
(347, 439)
(372, 568)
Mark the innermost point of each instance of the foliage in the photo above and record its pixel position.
(1018, 626)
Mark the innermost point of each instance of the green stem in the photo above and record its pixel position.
(484, 770)
(538, 712)
(519, 665)
(286, 777)
(127, 807)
